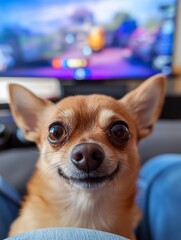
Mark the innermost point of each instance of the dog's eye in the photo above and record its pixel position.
(119, 133)
(57, 133)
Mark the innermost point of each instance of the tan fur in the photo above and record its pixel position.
(51, 201)
(105, 115)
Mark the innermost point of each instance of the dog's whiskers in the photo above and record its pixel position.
(52, 152)
(50, 167)
(130, 167)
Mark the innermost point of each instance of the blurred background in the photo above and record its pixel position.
(88, 40)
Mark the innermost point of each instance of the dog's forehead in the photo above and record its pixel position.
(89, 103)
(90, 106)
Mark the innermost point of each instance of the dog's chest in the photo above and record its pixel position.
(85, 212)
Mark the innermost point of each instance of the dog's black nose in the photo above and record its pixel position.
(87, 156)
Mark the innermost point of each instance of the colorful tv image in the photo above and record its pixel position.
(86, 39)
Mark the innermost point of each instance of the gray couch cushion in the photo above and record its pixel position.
(16, 166)
(166, 138)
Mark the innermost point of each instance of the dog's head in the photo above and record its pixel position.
(89, 141)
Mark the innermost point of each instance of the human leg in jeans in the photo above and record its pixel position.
(9, 206)
(160, 198)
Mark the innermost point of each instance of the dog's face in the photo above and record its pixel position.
(89, 141)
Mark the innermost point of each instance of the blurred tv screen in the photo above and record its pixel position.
(86, 39)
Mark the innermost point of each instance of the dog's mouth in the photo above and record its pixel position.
(89, 182)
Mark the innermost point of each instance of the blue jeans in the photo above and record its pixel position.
(67, 234)
(159, 197)
(9, 207)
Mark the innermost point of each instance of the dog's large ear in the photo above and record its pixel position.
(27, 109)
(145, 103)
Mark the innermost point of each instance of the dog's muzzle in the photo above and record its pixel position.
(88, 159)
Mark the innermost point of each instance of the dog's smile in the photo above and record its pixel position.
(88, 181)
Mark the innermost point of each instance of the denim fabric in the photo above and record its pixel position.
(67, 234)
(9, 206)
(160, 198)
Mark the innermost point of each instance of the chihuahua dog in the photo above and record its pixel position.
(88, 165)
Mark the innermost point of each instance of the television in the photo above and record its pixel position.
(87, 39)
